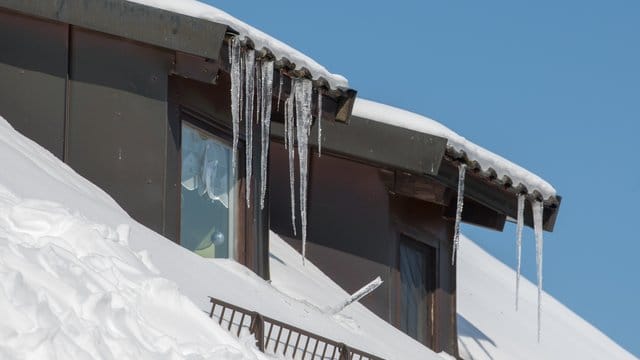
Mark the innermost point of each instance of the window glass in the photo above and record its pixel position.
(206, 201)
(417, 277)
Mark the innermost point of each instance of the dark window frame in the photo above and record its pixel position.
(214, 128)
(429, 249)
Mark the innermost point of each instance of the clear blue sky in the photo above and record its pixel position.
(552, 85)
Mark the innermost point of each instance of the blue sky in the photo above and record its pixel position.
(553, 86)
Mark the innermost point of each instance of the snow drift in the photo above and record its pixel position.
(83, 280)
(71, 288)
(144, 295)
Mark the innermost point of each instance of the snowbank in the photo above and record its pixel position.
(490, 328)
(397, 117)
(72, 289)
(201, 10)
(83, 286)
(30, 172)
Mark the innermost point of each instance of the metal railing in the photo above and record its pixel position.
(275, 337)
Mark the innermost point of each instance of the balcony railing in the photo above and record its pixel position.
(275, 337)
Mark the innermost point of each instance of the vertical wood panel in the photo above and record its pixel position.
(118, 122)
(33, 69)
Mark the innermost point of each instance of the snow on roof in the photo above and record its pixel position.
(71, 288)
(490, 328)
(127, 270)
(74, 286)
(309, 284)
(397, 117)
(204, 11)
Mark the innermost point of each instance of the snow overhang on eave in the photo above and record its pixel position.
(496, 189)
(338, 99)
(498, 194)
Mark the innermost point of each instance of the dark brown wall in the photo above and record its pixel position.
(33, 73)
(348, 221)
(354, 229)
(426, 222)
(118, 128)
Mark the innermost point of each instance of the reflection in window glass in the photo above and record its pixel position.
(413, 270)
(206, 194)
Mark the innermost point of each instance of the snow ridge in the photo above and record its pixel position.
(73, 289)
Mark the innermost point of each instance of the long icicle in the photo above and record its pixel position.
(462, 171)
(303, 97)
(288, 110)
(235, 56)
(266, 87)
(319, 122)
(249, 67)
(519, 227)
(538, 208)
(258, 90)
(280, 90)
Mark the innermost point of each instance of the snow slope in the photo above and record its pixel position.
(123, 274)
(402, 118)
(490, 328)
(72, 288)
(309, 284)
(76, 282)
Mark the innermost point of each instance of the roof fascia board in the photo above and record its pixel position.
(132, 21)
(502, 201)
(379, 144)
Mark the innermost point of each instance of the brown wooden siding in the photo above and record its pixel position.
(354, 229)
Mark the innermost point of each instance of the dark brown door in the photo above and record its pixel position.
(417, 284)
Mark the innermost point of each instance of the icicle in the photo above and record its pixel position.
(303, 90)
(249, 71)
(288, 111)
(519, 228)
(462, 170)
(280, 90)
(236, 83)
(538, 208)
(266, 86)
(319, 122)
(258, 90)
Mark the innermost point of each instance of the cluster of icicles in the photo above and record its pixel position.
(537, 208)
(252, 82)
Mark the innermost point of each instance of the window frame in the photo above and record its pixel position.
(237, 215)
(430, 254)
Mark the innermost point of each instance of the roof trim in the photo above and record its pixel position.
(132, 21)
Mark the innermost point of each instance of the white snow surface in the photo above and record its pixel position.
(72, 288)
(490, 328)
(402, 118)
(261, 40)
(80, 279)
(76, 284)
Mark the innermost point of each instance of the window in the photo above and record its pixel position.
(207, 201)
(417, 284)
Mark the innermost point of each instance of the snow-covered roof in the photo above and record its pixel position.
(80, 277)
(146, 265)
(486, 159)
(260, 40)
(72, 288)
(489, 327)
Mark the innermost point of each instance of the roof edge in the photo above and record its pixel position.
(130, 20)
